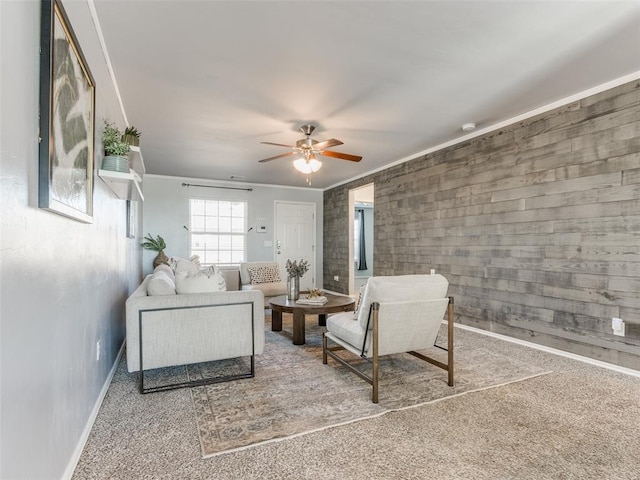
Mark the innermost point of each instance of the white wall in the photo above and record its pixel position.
(166, 213)
(63, 283)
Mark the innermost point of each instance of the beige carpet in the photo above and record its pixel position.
(579, 422)
(293, 393)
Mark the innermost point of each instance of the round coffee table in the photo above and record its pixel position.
(335, 304)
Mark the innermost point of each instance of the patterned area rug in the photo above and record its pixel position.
(294, 393)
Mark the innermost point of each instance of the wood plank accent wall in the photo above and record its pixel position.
(536, 226)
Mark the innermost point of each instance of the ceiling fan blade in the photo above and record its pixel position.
(343, 156)
(278, 144)
(288, 154)
(332, 142)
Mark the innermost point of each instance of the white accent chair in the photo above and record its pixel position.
(396, 315)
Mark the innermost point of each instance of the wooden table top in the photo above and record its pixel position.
(335, 303)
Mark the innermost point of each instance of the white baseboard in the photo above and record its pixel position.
(75, 458)
(544, 348)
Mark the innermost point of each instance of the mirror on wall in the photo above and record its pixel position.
(361, 219)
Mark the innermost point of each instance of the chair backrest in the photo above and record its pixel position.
(411, 310)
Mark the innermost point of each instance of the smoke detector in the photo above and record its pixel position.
(468, 127)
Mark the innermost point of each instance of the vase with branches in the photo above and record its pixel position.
(295, 270)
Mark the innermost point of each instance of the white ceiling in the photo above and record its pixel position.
(207, 81)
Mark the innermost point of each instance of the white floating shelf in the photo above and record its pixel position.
(126, 186)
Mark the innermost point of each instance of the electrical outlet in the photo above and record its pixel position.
(336, 278)
(98, 351)
(618, 326)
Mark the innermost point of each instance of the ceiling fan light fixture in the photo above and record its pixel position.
(307, 166)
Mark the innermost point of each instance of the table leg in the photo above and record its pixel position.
(322, 320)
(276, 321)
(298, 327)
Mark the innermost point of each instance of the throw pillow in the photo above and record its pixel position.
(201, 281)
(359, 301)
(161, 284)
(179, 265)
(264, 274)
(166, 269)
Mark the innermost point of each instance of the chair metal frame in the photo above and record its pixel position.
(372, 379)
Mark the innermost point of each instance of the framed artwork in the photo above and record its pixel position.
(67, 119)
(131, 219)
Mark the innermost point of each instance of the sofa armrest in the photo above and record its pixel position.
(193, 328)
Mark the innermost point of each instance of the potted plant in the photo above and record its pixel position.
(116, 151)
(158, 245)
(131, 136)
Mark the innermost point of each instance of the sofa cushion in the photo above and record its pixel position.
(264, 274)
(344, 326)
(272, 289)
(200, 281)
(161, 284)
(166, 269)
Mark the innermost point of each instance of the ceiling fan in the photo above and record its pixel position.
(307, 148)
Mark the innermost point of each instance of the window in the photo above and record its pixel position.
(359, 248)
(356, 239)
(218, 231)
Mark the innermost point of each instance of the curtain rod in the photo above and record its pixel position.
(213, 186)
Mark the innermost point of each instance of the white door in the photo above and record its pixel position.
(296, 238)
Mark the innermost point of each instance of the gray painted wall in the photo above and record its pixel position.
(167, 212)
(535, 225)
(63, 283)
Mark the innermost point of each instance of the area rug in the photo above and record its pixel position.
(293, 393)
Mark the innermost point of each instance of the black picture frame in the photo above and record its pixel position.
(67, 119)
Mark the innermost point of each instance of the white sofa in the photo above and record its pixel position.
(269, 289)
(181, 329)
